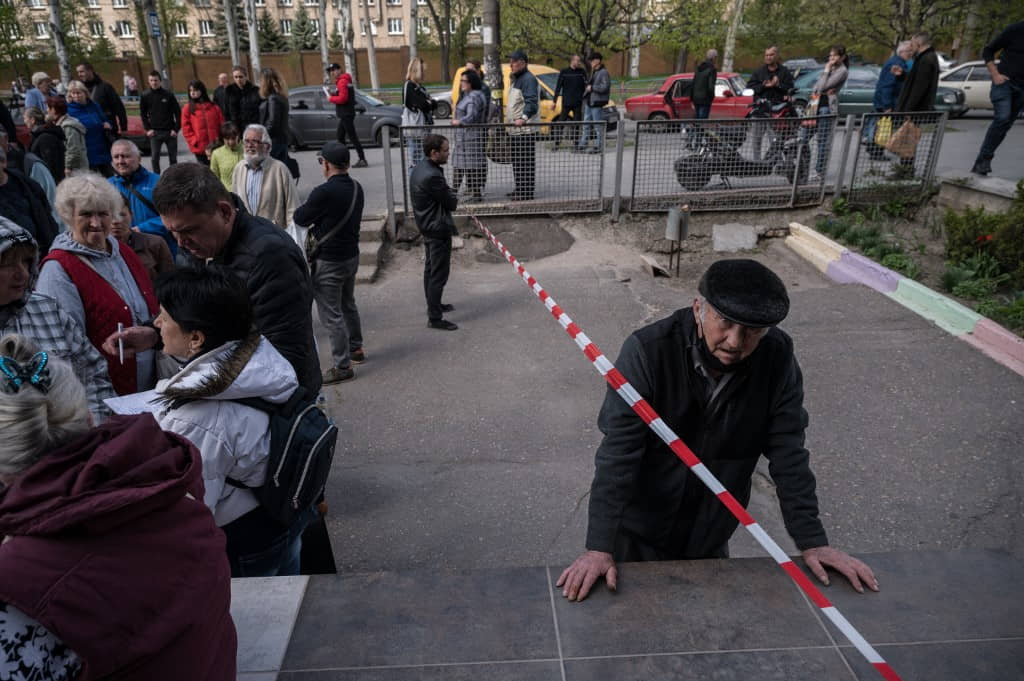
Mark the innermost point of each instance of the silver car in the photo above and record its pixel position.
(312, 121)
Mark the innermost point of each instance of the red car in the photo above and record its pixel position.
(135, 132)
(730, 102)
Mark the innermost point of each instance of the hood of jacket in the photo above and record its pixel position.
(65, 243)
(12, 235)
(111, 475)
(52, 130)
(70, 121)
(236, 370)
(705, 65)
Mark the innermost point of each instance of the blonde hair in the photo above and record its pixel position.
(415, 71)
(38, 77)
(87, 191)
(271, 82)
(78, 85)
(33, 422)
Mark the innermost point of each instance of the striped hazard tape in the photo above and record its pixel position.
(644, 410)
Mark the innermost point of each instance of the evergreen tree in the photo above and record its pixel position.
(220, 29)
(336, 41)
(271, 39)
(305, 35)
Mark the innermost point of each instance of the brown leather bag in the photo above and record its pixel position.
(904, 141)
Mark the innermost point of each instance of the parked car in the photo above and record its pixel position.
(135, 132)
(444, 105)
(312, 121)
(729, 102)
(945, 62)
(859, 91)
(798, 65)
(974, 79)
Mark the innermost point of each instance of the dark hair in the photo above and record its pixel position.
(476, 64)
(841, 51)
(595, 55)
(474, 79)
(59, 106)
(229, 129)
(432, 143)
(199, 85)
(188, 184)
(87, 66)
(155, 74)
(212, 300)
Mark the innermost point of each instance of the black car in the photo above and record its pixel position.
(312, 121)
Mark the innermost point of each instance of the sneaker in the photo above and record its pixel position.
(338, 375)
(445, 307)
(981, 167)
(357, 356)
(361, 163)
(442, 325)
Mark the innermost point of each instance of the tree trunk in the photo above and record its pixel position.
(59, 46)
(730, 37)
(325, 57)
(491, 31)
(634, 40)
(254, 38)
(446, 43)
(371, 53)
(414, 18)
(348, 41)
(681, 57)
(231, 21)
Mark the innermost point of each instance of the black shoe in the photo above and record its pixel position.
(357, 356)
(445, 307)
(338, 375)
(361, 163)
(442, 325)
(981, 167)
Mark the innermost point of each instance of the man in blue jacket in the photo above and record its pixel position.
(136, 184)
(887, 93)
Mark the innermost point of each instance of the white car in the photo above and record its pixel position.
(973, 78)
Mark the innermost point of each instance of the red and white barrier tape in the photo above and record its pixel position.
(619, 383)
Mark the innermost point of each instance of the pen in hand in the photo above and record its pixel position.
(120, 342)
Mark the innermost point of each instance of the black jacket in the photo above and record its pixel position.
(432, 200)
(921, 84)
(43, 228)
(416, 98)
(570, 85)
(704, 84)
(1011, 43)
(220, 98)
(104, 94)
(643, 489)
(327, 204)
(7, 122)
(274, 117)
(243, 105)
(48, 144)
(159, 110)
(774, 94)
(274, 270)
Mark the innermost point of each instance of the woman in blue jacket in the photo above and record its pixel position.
(89, 114)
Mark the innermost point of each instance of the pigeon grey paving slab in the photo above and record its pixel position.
(264, 611)
(948, 661)
(517, 671)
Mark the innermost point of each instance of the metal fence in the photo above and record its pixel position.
(731, 164)
(499, 169)
(895, 157)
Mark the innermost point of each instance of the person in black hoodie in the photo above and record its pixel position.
(243, 99)
(571, 83)
(105, 96)
(161, 117)
(47, 142)
(704, 86)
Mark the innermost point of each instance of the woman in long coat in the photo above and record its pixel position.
(469, 158)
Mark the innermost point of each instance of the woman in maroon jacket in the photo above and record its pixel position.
(200, 121)
(103, 528)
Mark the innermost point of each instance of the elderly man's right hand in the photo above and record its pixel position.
(136, 339)
(577, 579)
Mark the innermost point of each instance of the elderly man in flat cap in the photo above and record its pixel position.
(724, 378)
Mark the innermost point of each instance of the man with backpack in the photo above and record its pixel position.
(344, 101)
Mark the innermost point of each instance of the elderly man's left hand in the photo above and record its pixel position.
(859, 574)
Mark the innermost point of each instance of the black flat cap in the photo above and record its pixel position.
(336, 154)
(518, 55)
(745, 292)
(332, 66)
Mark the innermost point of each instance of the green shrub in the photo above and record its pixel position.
(976, 289)
(902, 263)
(1008, 311)
(1000, 235)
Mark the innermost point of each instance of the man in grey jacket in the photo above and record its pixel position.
(523, 107)
(595, 98)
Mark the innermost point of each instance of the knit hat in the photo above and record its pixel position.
(745, 292)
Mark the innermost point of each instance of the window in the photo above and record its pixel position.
(394, 26)
(339, 26)
(261, 3)
(286, 26)
(477, 25)
(123, 29)
(36, 4)
(362, 27)
(73, 30)
(423, 24)
(394, 3)
(316, 25)
(42, 30)
(181, 29)
(421, 3)
(120, 4)
(980, 74)
(12, 31)
(206, 28)
(371, 3)
(96, 29)
(94, 4)
(311, 3)
(204, 3)
(284, 3)
(958, 75)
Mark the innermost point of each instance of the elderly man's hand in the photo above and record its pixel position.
(854, 570)
(580, 577)
(136, 339)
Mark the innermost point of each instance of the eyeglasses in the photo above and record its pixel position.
(320, 160)
(253, 143)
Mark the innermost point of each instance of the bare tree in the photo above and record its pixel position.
(442, 16)
(414, 30)
(59, 45)
(730, 38)
(371, 53)
(254, 36)
(325, 57)
(491, 30)
(348, 39)
(231, 27)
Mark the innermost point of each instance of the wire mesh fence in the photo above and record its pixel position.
(731, 164)
(895, 157)
(499, 169)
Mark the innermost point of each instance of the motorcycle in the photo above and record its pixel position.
(718, 148)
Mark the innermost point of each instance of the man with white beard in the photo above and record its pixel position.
(263, 183)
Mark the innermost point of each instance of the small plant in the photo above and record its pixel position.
(895, 208)
(841, 206)
(922, 247)
(976, 289)
(1005, 310)
(902, 263)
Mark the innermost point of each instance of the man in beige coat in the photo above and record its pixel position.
(263, 183)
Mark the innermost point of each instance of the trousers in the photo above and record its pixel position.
(159, 139)
(334, 286)
(436, 268)
(347, 130)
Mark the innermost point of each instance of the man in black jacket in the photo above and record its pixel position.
(335, 259)
(433, 202)
(243, 99)
(161, 118)
(921, 84)
(220, 94)
(725, 380)
(211, 224)
(1007, 92)
(571, 83)
(104, 94)
(704, 86)
(773, 81)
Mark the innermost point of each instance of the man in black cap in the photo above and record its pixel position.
(343, 97)
(523, 107)
(724, 379)
(334, 209)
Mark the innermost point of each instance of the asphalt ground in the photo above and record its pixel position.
(474, 448)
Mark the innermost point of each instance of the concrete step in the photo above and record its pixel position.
(372, 228)
(366, 274)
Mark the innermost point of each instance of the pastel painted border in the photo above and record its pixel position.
(847, 267)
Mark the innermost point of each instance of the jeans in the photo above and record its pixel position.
(334, 286)
(347, 130)
(823, 130)
(592, 114)
(252, 554)
(158, 140)
(702, 111)
(524, 165)
(415, 147)
(1007, 100)
(436, 267)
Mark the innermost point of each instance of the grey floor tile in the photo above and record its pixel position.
(690, 606)
(812, 664)
(424, 617)
(936, 596)
(257, 676)
(521, 671)
(264, 611)
(961, 661)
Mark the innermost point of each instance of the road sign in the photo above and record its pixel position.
(154, 25)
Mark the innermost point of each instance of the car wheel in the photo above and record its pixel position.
(443, 110)
(293, 142)
(392, 130)
(658, 116)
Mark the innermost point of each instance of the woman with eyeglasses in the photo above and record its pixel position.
(469, 159)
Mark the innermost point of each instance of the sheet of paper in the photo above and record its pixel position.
(134, 403)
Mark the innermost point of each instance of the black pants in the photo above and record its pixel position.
(476, 178)
(347, 128)
(524, 165)
(159, 139)
(573, 113)
(436, 267)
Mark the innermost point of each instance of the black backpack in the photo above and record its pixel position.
(302, 441)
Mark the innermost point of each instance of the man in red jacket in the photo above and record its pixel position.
(344, 100)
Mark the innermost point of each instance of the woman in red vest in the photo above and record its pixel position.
(200, 121)
(97, 280)
(111, 566)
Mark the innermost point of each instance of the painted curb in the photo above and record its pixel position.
(855, 268)
(947, 314)
(998, 342)
(814, 247)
